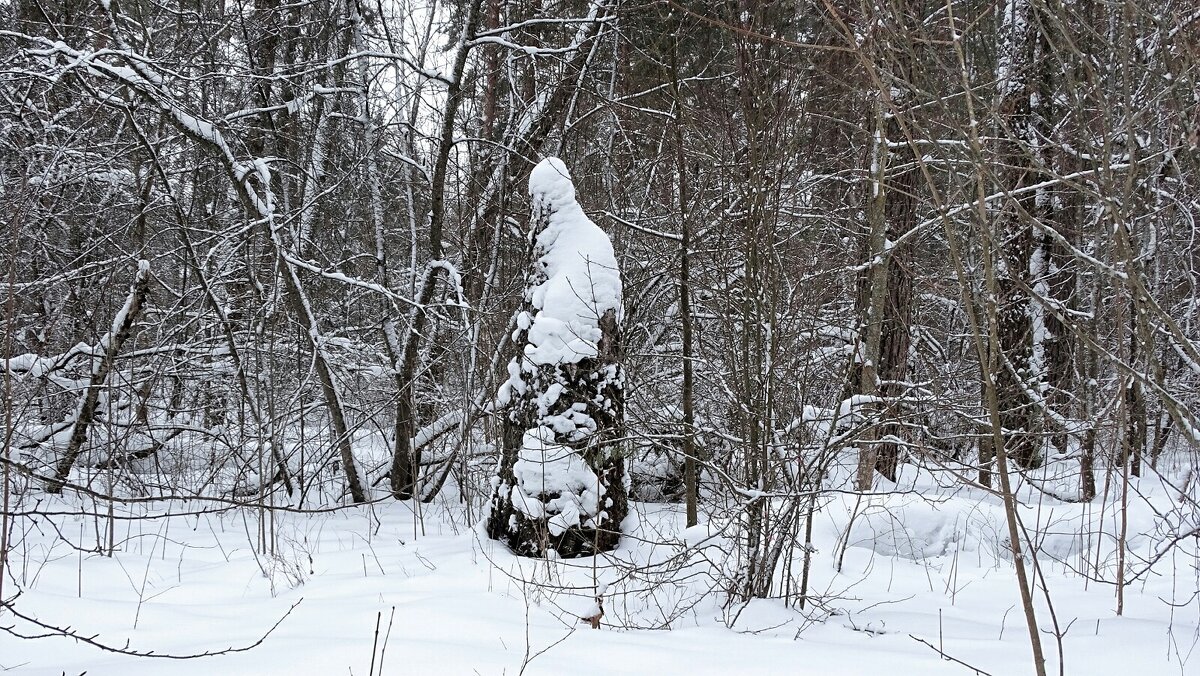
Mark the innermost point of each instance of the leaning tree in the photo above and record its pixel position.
(561, 481)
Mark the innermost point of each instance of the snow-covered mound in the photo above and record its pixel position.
(581, 279)
(553, 480)
(574, 288)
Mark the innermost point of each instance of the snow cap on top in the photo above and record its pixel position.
(550, 181)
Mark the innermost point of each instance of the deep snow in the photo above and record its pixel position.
(914, 568)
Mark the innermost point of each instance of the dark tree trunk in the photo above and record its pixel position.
(1015, 139)
(900, 213)
(101, 366)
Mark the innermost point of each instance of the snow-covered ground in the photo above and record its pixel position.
(449, 601)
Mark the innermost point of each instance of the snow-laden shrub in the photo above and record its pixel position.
(561, 474)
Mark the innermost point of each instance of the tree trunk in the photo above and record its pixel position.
(405, 459)
(102, 363)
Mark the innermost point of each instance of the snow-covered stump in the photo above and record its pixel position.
(561, 482)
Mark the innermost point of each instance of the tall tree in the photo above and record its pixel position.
(1015, 365)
